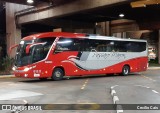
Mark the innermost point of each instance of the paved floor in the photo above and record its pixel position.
(138, 88)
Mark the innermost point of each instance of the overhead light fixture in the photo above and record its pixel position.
(121, 15)
(30, 1)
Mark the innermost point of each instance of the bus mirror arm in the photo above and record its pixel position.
(28, 48)
(12, 47)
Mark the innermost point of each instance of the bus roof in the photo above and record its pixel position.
(77, 35)
(115, 38)
(55, 34)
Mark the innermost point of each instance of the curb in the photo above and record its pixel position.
(7, 76)
(152, 68)
(115, 98)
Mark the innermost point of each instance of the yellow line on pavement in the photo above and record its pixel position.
(82, 87)
(148, 78)
(90, 106)
(85, 84)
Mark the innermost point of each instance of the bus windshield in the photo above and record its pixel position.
(36, 52)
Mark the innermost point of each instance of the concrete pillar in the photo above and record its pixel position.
(108, 32)
(103, 28)
(123, 25)
(13, 33)
(159, 46)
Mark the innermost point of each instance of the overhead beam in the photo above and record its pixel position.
(67, 23)
(143, 3)
(66, 9)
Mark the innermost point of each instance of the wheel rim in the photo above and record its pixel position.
(125, 71)
(58, 74)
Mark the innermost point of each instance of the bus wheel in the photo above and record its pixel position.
(125, 70)
(58, 74)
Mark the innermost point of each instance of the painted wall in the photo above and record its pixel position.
(159, 47)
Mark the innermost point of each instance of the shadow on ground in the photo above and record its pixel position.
(76, 78)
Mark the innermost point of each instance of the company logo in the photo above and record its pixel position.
(18, 108)
(6, 107)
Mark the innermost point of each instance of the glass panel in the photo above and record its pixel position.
(21, 57)
(135, 46)
(36, 53)
(92, 45)
(64, 44)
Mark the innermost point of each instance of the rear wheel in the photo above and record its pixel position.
(125, 70)
(58, 74)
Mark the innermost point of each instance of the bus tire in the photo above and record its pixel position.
(125, 70)
(58, 74)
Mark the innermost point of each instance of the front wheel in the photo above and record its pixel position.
(58, 74)
(125, 70)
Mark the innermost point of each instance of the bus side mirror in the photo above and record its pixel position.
(28, 48)
(12, 47)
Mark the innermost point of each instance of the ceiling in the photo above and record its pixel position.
(139, 10)
(148, 13)
(37, 2)
(134, 3)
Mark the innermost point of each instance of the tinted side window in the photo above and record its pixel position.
(64, 44)
(135, 46)
(48, 43)
(73, 44)
(120, 46)
(102, 45)
(92, 45)
(117, 46)
(87, 45)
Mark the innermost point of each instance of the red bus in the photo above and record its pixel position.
(58, 54)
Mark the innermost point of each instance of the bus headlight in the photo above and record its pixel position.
(26, 69)
(13, 68)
